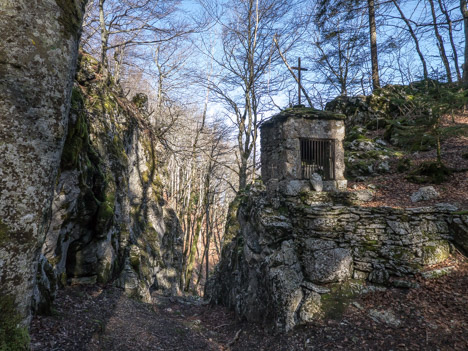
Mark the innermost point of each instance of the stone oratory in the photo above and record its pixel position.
(302, 149)
(304, 246)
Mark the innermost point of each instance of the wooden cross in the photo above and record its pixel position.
(299, 69)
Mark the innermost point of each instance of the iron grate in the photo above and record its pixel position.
(318, 156)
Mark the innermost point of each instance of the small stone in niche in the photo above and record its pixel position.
(316, 182)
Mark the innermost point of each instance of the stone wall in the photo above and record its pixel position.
(294, 261)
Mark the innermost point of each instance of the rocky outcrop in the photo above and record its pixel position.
(109, 220)
(37, 63)
(294, 260)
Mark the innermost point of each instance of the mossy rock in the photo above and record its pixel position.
(410, 135)
(77, 139)
(13, 336)
(436, 253)
(377, 123)
(335, 302)
(404, 165)
(432, 172)
(356, 133)
(232, 224)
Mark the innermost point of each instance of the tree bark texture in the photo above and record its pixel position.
(373, 45)
(38, 52)
(443, 9)
(440, 43)
(464, 11)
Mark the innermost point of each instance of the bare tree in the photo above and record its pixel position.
(248, 53)
(440, 43)
(414, 37)
(373, 44)
(122, 24)
(339, 50)
(464, 11)
(445, 12)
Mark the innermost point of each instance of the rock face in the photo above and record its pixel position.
(294, 260)
(109, 221)
(37, 63)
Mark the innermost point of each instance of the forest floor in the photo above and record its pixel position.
(394, 190)
(431, 316)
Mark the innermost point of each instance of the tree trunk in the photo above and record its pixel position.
(452, 42)
(104, 40)
(373, 45)
(440, 43)
(464, 11)
(37, 65)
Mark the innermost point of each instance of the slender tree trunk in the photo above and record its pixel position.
(415, 39)
(192, 254)
(440, 43)
(37, 65)
(464, 11)
(452, 42)
(373, 45)
(104, 40)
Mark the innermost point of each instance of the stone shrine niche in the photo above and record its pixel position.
(299, 143)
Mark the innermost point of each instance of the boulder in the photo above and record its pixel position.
(425, 193)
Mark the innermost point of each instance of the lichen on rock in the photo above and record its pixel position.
(295, 259)
(38, 60)
(109, 221)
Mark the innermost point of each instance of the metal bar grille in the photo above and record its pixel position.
(318, 156)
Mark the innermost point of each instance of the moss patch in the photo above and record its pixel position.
(106, 208)
(335, 302)
(429, 172)
(77, 137)
(232, 224)
(13, 337)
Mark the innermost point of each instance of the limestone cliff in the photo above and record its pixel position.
(297, 258)
(109, 221)
(37, 62)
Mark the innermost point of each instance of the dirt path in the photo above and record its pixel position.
(433, 316)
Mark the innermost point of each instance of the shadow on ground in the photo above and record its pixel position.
(432, 316)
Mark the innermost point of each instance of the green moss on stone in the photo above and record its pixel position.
(13, 336)
(429, 172)
(232, 224)
(107, 207)
(134, 257)
(465, 212)
(77, 137)
(334, 303)
(436, 253)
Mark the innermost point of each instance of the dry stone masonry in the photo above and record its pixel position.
(302, 246)
(296, 259)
